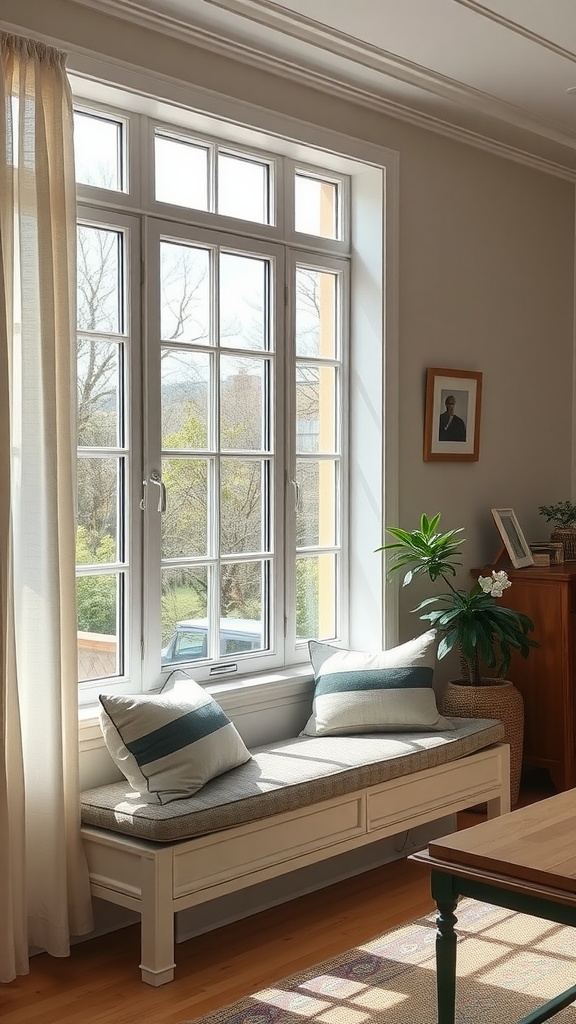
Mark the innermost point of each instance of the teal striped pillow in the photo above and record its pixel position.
(169, 745)
(389, 691)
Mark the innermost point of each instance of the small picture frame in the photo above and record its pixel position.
(513, 538)
(452, 415)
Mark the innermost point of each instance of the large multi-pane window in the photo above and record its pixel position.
(212, 367)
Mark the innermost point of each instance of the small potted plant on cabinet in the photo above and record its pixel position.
(473, 623)
(562, 515)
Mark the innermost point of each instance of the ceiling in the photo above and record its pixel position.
(497, 72)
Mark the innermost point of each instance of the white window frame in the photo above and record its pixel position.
(340, 267)
(158, 229)
(132, 451)
(374, 315)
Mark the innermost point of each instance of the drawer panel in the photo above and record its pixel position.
(114, 868)
(432, 790)
(236, 853)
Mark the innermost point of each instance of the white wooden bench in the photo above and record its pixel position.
(295, 803)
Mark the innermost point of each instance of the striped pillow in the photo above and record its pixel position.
(169, 745)
(390, 691)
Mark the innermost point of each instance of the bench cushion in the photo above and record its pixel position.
(285, 776)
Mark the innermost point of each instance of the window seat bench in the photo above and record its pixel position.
(296, 802)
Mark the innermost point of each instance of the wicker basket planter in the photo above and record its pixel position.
(567, 538)
(498, 699)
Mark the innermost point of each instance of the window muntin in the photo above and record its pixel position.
(320, 288)
(101, 523)
(199, 175)
(181, 172)
(99, 146)
(215, 310)
(105, 487)
(317, 205)
(243, 186)
(226, 423)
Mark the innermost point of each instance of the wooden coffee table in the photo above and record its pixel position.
(524, 861)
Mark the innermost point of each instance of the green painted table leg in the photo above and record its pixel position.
(446, 901)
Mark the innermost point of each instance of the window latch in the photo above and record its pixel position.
(296, 487)
(156, 478)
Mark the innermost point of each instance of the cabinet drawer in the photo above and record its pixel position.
(226, 855)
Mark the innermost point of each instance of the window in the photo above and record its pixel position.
(212, 474)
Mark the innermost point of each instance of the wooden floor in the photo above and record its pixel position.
(100, 982)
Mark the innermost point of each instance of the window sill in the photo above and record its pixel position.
(238, 697)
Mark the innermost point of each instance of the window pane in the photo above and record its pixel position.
(181, 173)
(184, 597)
(98, 530)
(316, 206)
(242, 402)
(98, 151)
(242, 593)
(316, 313)
(316, 596)
(98, 604)
(185, 293)
(241, 496)
(244, 302)
(98, 384)
(316, 408)
(100, 288)
(185, 521)
(243, 188)
(185, 393)
(316, 512)
(238, 636)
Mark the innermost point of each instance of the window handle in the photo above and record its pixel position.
(296, 487)
(156, 478)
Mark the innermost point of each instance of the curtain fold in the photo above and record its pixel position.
(44, 891)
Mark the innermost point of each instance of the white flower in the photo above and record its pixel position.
(496, 584)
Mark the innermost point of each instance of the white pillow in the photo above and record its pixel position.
(388, 691)
(169, 745)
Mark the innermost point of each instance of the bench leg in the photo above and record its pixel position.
(501, 805)
(157, 918)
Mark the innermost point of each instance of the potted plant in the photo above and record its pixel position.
(471, 622)
(562, 515)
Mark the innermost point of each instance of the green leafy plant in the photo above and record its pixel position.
(485, 633)
(562, 514)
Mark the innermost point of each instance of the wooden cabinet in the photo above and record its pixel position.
(547, 677)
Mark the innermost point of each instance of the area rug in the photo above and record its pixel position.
(508, 965)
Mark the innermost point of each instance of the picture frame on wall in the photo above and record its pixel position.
(514, 540)
(452, 415)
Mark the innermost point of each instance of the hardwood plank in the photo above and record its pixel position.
(100, 982)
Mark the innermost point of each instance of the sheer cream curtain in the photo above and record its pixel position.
(44, 894)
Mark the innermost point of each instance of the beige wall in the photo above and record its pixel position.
(486, 282)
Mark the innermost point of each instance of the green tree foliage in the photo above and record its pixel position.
(96, 595)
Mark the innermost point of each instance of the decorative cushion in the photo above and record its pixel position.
(389, 691)
(169, 745)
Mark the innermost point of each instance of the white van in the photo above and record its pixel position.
(190, 641)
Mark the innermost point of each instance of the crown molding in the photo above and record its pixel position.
(520, 30)
(306, 30)
(132, 11)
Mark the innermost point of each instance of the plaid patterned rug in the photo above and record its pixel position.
(508, 964)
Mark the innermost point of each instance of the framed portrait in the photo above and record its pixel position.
(452, 415)
(514, 540)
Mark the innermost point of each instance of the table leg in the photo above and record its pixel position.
(446, 901)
